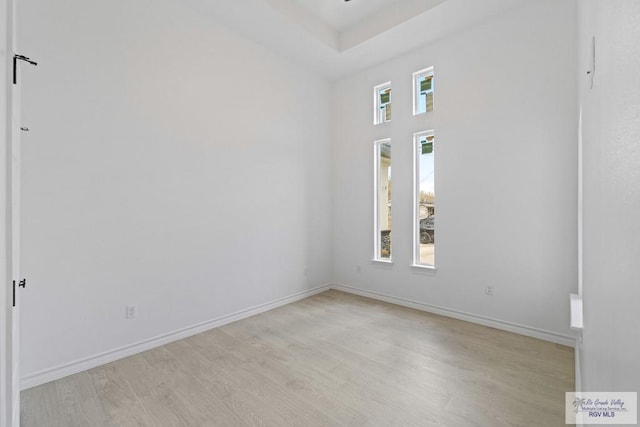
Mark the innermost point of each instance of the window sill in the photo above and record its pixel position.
(382, 262)
(424, 269)
(576, 312)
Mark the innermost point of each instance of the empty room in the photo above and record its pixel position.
(319, 212)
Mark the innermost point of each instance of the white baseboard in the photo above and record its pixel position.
(554, 337)
(61, 371)
(90, 362)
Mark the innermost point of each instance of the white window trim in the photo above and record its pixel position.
(416, 200)
(422, 268)
(376, 101)
(419, 74)
(377, 244)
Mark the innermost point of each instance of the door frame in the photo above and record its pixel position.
(9, 404)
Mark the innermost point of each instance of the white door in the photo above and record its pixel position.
(15, 226)
(15, 218)
(6, 288)
(9, 229)
(15, 245)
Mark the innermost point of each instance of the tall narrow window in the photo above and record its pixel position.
(382, 200)
(423, 86)
(424, 199)
(382, 103)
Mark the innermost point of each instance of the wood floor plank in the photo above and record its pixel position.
(41, 407)
(245, 374)
(204, 407)
(333, 359)
(490, 370)
(118, 398)
(79, 402)
(360, 380)
(307, 387)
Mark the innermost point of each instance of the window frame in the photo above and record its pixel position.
(429, 71)
(417, 152)
(377, 104)
(377, 238)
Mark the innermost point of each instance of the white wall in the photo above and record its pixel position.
(611, 134)
(506, 170)
(170, 164)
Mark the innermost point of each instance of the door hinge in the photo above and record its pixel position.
(22, 284)
(17, 57)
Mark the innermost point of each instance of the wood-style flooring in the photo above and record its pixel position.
(333, 359)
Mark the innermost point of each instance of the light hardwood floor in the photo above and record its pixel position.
(330, 360)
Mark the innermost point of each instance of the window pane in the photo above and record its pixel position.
(383, 221)
(423, 86)
(382, 103)
(424, 253)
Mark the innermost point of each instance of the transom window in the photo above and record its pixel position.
(423, 88)
(382, 103)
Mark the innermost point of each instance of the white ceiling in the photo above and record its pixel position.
(342, 25)
(341, 15)
(334, 42)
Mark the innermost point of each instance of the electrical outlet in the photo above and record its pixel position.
(358, 269)
(306, 271)
(131, 312)
(489, 290)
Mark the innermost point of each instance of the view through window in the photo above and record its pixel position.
(425, 199)
(382, 103)
(423, 88)
(382, 200)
